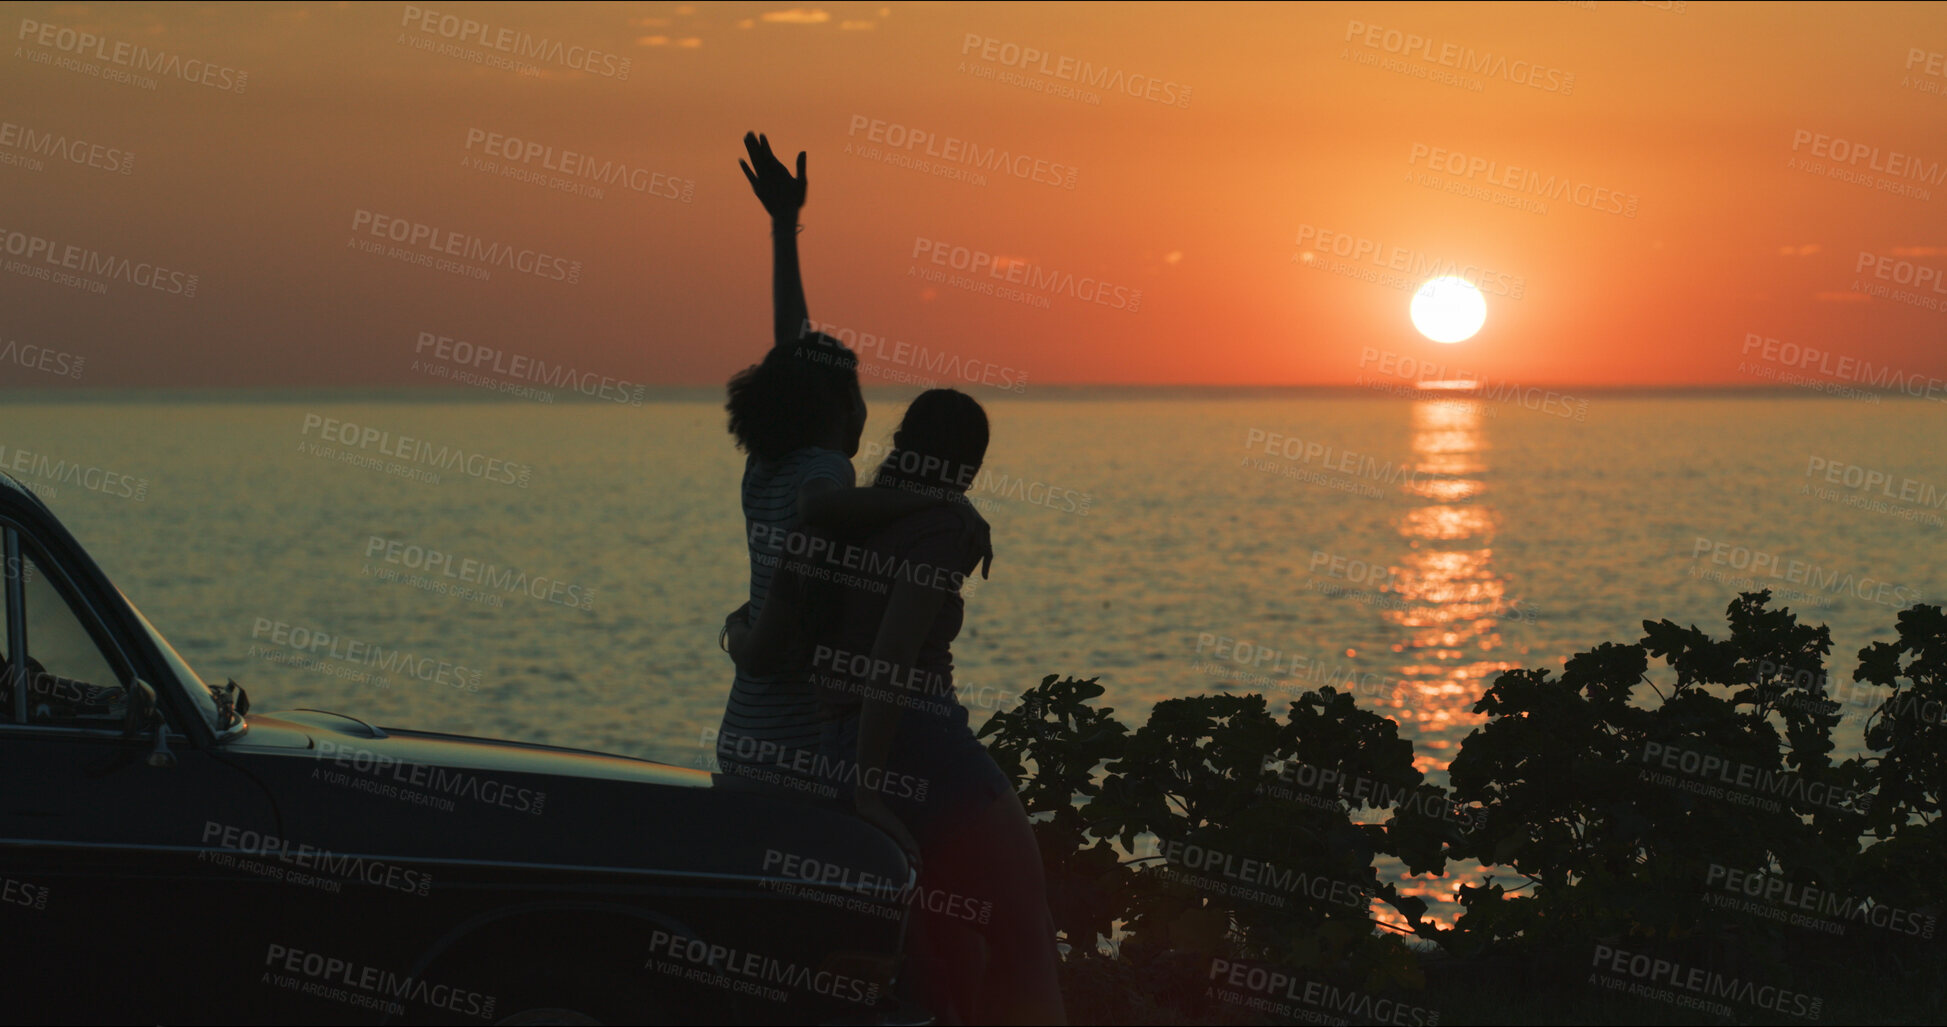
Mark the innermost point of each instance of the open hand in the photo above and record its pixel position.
(780, 193)
(736, 628)
(977, 535)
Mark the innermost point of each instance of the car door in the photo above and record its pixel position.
(112, 883)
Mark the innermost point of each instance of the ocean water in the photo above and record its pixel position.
(1174, 544)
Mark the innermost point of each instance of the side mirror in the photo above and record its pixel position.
(142, 713)
(232, 702)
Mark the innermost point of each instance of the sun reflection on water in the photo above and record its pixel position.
(1450, 602)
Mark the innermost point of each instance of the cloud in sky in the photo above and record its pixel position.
(798, 16)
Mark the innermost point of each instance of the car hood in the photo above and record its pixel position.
(343, 785)
(347, 741)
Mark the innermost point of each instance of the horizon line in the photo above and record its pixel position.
(1404, 390)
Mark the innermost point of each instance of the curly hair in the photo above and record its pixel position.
(783, 403)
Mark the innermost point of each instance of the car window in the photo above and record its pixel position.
(70, 681)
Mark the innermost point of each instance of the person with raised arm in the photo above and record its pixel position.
(798, 415)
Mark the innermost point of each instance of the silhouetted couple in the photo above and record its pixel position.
(844, 667)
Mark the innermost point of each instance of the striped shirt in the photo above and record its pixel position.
(769, 717)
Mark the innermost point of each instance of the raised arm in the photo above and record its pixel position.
(781, 195)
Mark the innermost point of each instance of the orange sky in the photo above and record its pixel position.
(1286, 120)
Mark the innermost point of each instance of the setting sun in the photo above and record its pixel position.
(1449, 309)
(480, 398)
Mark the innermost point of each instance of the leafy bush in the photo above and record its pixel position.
(1615, 795)
(1620, 798)
(1909, 730)
(1192, 839)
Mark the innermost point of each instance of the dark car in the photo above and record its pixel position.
(166, 855)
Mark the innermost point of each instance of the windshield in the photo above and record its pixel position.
(192, 685)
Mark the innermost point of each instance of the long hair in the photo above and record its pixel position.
(939, 444)
(937, 449)
(793, 396)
